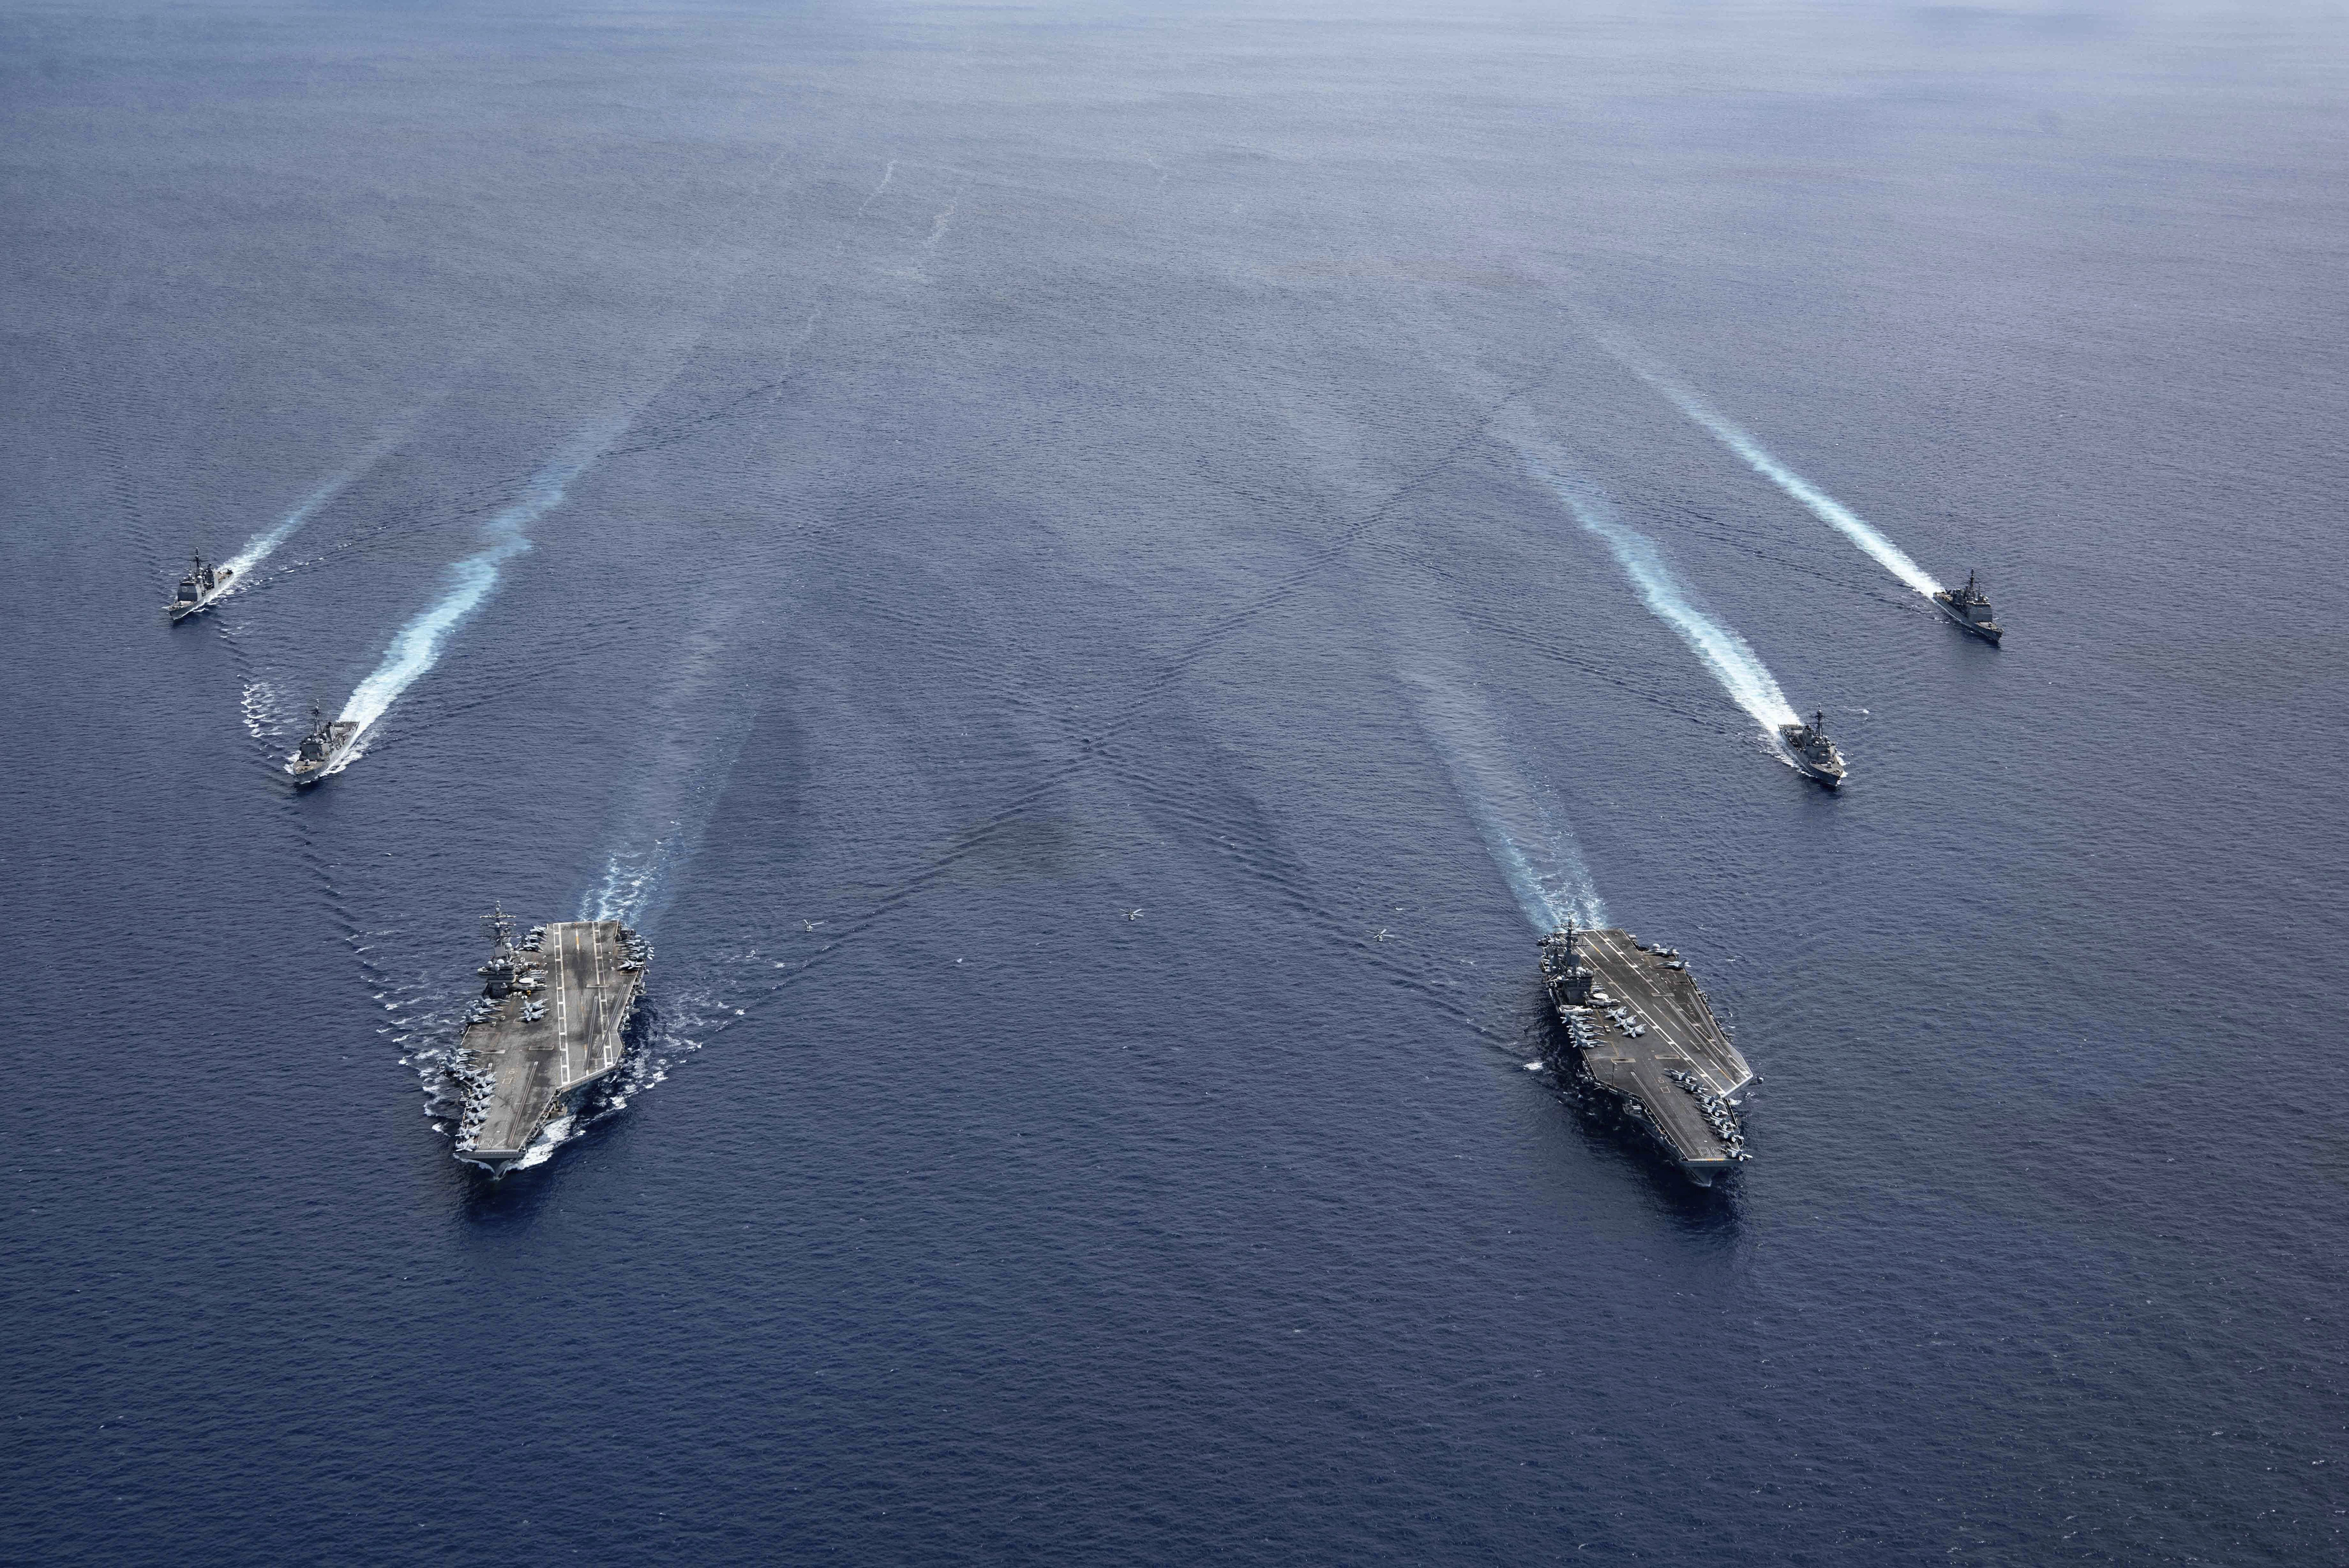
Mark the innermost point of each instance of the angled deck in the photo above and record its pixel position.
(1644, 1020)
(1677, 1019)
(582, 985)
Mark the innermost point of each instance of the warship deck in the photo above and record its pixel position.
(1644, 1020)
(582, 984)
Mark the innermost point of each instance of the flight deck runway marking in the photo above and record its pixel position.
(1662, 1012)
(595, 951)
(525, 1088)
(562, 1001)
(587, 1002)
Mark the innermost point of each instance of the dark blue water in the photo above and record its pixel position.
(940, 480)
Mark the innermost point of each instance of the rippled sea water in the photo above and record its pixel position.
(1046, 554)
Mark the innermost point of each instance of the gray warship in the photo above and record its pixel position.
(203, 584)
(328, 742)
(1640, 1035)
(1970, 608)
(1809, 749)
(546, 1031)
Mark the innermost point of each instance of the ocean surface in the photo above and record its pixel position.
(1091, 575)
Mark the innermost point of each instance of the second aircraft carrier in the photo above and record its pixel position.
(546, 1032)
(1639, 1031)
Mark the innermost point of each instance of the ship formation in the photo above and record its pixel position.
(204, 584)
(547, 1032)
(1636, 1034)
(550, 1028)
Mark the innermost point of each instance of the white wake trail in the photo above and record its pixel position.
(415, 647)
(1822, 505)
(1520, 822)
(628, 886)
(695, 732)
(1729, 656)
(258, 549)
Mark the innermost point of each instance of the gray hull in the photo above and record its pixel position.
(305, 775)
(1831, 777)
(1671, 1068)
(1813, 771)
(1989, 631)
(178, 611)
(530, 1057)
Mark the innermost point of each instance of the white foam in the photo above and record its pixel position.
(1730, 658)
(264, 718)
(552, 1137)
(626, 885)
(697, 729)
(415, 647)
(258, 547)
(938, 226)
(1521, 824)
(1822, 505)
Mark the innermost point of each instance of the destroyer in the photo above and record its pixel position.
(1970, 608)
(1639, 1032)
(203, 584)
(545, 1031)
(1812, 751)
(327, 744)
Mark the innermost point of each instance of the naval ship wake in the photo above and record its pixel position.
(1634, 1037)
(1758, 458)
(1728, 657)
(1521, 824)
(258, 549)
(416, 647)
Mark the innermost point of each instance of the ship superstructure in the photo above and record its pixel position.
(1811, 751)
(1639, 1032)
(1970, 608)
(203, 584)
(548, 1028)
(328, 742)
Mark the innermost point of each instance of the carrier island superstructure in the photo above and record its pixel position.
(546, 1032)
(1639, 1032)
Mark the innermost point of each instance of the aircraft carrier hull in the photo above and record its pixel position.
(1635, 1030)
(532, 1056)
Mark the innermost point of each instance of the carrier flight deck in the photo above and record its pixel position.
(549, 1025)
(1643, 1033)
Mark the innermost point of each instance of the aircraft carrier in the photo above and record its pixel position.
(547, 1030)
(1639, 1032)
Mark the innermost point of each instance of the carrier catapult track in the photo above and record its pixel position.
(547, 1029)
(1638, 1030)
